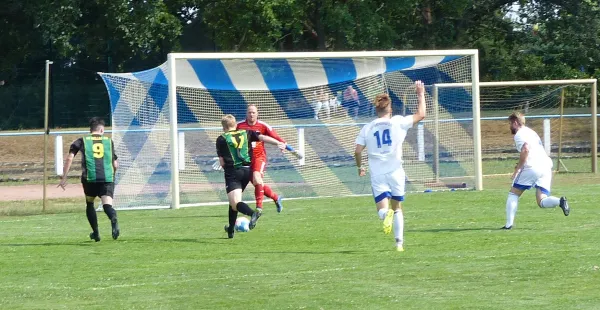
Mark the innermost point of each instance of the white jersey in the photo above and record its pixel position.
(383, 138)
(537, 154)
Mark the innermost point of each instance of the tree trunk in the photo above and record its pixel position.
(320, 26)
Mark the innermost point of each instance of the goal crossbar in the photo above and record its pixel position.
(296, 55)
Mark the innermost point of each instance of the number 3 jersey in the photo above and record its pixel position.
(383, 138)
(235, 147)
(98, 154)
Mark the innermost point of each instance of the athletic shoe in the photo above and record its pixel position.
(254, 218)
(115, 228)
(564, 205)
(387, 222)
(399, 246)
(279, 204)
(95, 236)
(506, 227)
(229, 233)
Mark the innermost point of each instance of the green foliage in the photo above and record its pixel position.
(517, 40)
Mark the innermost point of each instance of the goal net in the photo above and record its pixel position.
(560, 111)
(317, 102)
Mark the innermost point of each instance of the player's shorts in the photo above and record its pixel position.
(98, 189)
(390, 185)
(258, 164)
(532, 176)
(237, 178)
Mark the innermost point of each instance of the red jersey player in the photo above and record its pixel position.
(259, 157)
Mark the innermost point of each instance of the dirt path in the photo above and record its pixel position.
(35, 192)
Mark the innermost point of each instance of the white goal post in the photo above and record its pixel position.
(308, 98)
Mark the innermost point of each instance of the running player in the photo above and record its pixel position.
(533, 169)
(234, 148)
(99, 165)
(383, 138)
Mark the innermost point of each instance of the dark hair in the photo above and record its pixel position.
(96, 122)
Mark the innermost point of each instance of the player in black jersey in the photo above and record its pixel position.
(99, 165)
(234, 148)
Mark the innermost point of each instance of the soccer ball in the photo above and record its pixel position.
(242, 224)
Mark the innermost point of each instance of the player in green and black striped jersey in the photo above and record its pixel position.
(98, 164)
(234, 148)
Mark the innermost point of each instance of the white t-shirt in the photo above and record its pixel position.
(537, 155)
(383, 138)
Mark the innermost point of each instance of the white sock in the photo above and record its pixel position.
(382, 213)
(550, 202)
(399, 226)
(511, 208)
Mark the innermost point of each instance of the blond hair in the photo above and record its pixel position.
(382, 102)
(228, 121)
(517, 117)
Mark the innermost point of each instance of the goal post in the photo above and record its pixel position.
(166, 120)
(542, 100)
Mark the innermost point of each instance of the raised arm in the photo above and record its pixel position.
(421, 108)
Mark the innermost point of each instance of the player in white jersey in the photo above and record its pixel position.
(383, 139)
(533, 169)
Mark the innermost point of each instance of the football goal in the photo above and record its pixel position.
(562, 112)
(166, 120)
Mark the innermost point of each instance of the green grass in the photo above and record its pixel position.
(317, 254)
(35, 207)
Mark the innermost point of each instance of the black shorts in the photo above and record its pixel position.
(237, 178)
(98, 189)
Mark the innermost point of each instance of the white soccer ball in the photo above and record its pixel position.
(242, 224)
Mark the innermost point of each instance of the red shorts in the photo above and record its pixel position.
(259, 164)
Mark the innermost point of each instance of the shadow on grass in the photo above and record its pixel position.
(213, 240)
(303, 252)
(85, 243)
(191, 216)
(457, 229)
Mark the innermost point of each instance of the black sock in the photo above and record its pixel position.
(91, 216)
(232, 218)
(110, 212)
(244, 208)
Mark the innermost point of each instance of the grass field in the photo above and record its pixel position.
(317, 254)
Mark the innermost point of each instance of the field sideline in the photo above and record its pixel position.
(317, 254)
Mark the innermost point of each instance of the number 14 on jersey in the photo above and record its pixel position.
(384, 139)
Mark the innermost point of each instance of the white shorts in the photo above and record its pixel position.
(532, 176)
(390, 185)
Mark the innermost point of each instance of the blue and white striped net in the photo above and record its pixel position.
(298, 97)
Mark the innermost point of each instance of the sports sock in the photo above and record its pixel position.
(232, 218)
(399, 226)
(270, 193)
(90, 212)
(259, 193)
(110, 212)
(244, 208)
(550, 202)
(382, 213)
(512, 202)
